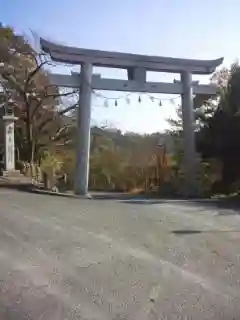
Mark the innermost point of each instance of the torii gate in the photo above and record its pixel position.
(137, 67)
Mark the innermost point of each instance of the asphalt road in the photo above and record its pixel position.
(64, 258)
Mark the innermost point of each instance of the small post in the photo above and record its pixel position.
(83, 131)
(9, 143)
(189, 164)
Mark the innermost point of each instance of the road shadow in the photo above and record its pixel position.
(114, 196)
(122, 197)
(185, 232)
(142, 201)
(27, 187)
(226, 206)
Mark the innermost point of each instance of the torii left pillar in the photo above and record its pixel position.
(9, 143)
(83, 131)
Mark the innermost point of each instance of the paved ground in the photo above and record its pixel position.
(66, 258)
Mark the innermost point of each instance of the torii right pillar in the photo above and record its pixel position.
(190, 160)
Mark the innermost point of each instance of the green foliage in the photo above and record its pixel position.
(119, 162)
(124, 161)
(50, 162)
(219, 137)
(217, 133)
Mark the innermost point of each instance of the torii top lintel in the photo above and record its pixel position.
(127, 60)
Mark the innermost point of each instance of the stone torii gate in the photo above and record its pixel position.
(137, 67)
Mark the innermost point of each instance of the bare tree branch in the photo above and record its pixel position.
(60, 94)
(62, 112)
(33, 73)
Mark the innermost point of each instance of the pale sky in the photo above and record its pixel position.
(177, 28)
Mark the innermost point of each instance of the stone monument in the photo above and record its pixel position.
(9, 143)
